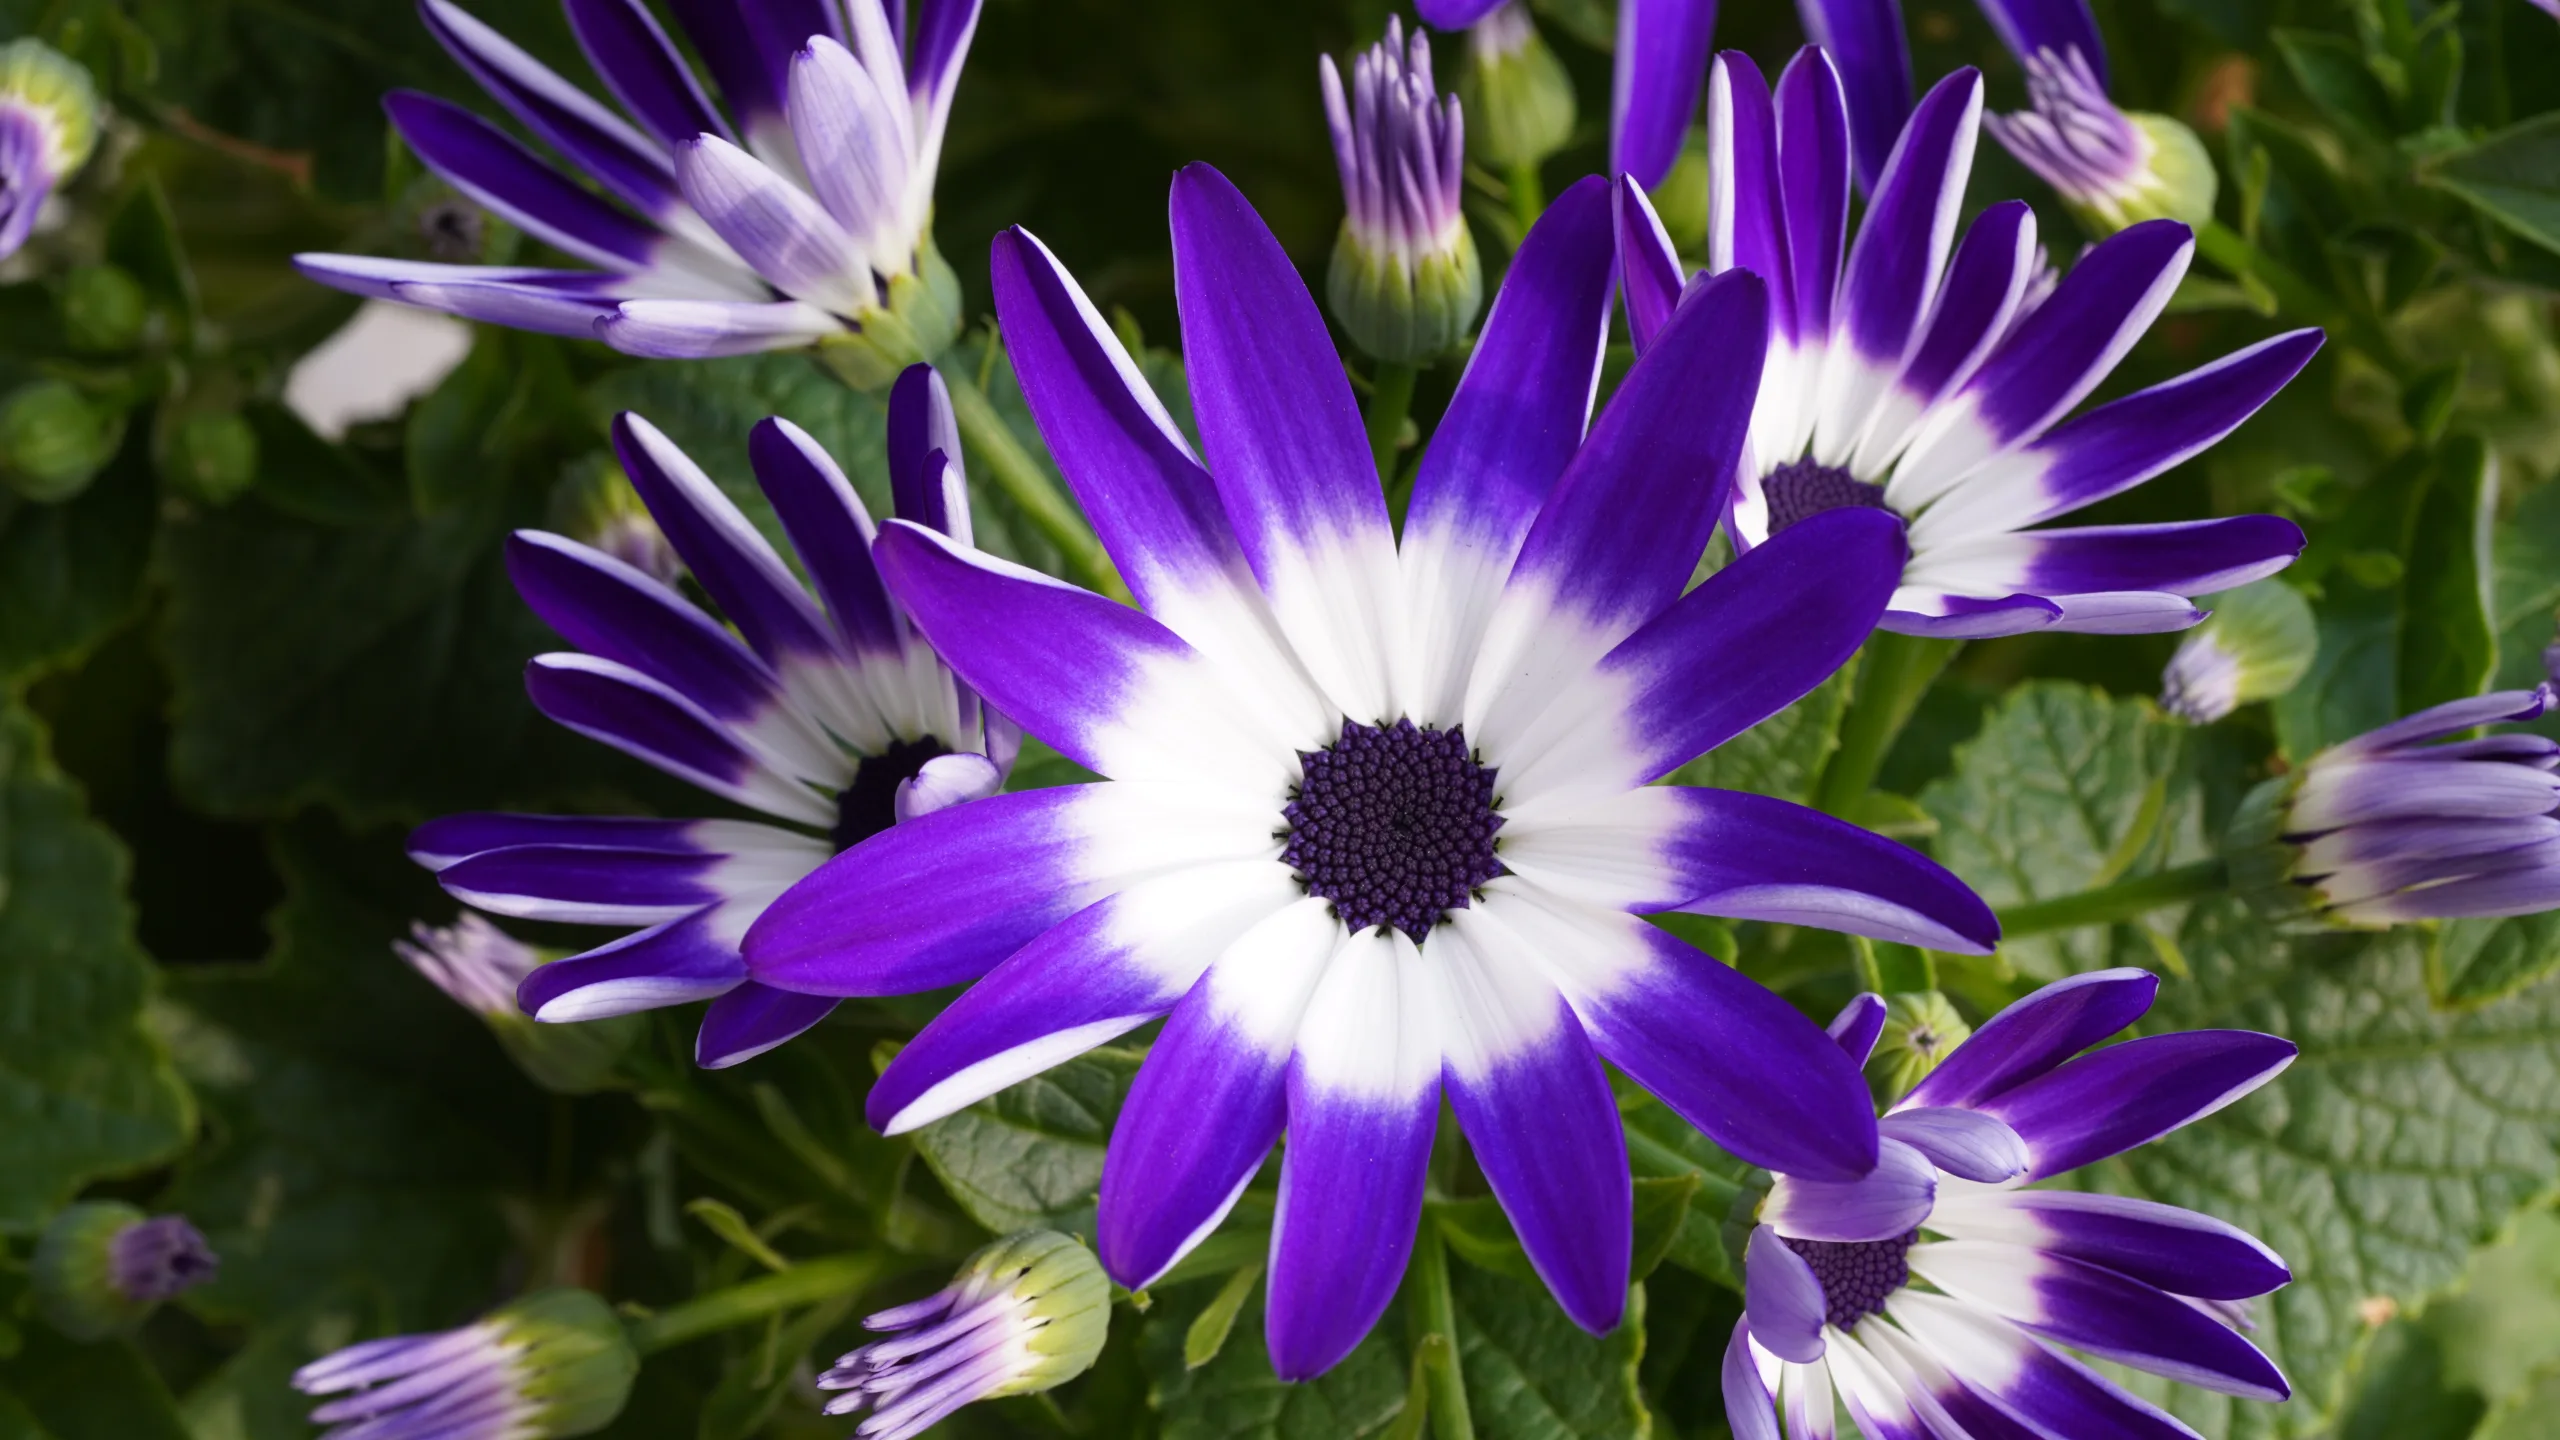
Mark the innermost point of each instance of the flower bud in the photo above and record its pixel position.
(211, 455)
(1519, 101)
(102, 1267)
(48, 129)
(1026, 1313)
(479, 966)
(2403, 823)
(2111, 168)
(1405, 281)
(595, 505)
(1919, 1030)
(2257, 646)
(103, 309)
(53, 441)
(556, 1363)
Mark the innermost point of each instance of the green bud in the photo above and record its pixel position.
(100, 1268)
(1681, 199)
(57, 90)
(2177, 182)
(576, 1363)
(595, 504)
(1518, 99)
(209, 455)
(479, 967)
(1067, 1292)
(2258, 645)
(1919, 1030)
(918, 320)
(104, 309)
(2262, 860)
(53, 441)
(1405, 311)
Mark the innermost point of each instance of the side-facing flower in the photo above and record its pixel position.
(482, 969)
(48, 128)
(1405, 280)
(2404, 823)
(2258, 645)
(1026, 1313)
(1378, 826)
(1934, 386)
(794, 211)
(1932, 1296)
(101, 1267)
(2111, 167)
(829, 713)
(553, 1364)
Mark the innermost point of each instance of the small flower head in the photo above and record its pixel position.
(482, 968)
(1919, 1032)
(1519, 101)
(1024, 1314)
(1406, 281)
(48, 129)
(553, 1364)
(2257, 646)
(597, 506)
(2405, 823)
(102, 1267)
(2111, 167)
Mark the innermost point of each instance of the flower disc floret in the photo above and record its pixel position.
(1395, 825)
(1857, 1276)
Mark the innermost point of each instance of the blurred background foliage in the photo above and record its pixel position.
(241, 659)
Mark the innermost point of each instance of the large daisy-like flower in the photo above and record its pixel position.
(833, 716)
(1934, 387)
(797, 208)
(1930, 1296)
(1378, 826)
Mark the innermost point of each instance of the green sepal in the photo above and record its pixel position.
(74, 1285)
(1401, 315)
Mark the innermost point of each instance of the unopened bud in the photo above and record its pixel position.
(102, 1267)
(211, 455)
(1027, 1313)
(2111, 167)
(1919, 1030)
(53, 441)
(554, 1364)
(103, 309)
(1519, 101)
(48, 129)
(1406, 282)
(2257, 646)
(596, 505)
(478, 966)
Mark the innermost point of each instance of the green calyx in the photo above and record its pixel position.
(917, 320)
(1067, 1295)
(1517, 98)
(2262, 861)
(578, 1057)
(37, 77)
(74, 1285)
(1920, 1030)
(1405, 312)
(2176, 183)
(572, 1358)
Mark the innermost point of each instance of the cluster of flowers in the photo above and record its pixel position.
(1378, 824)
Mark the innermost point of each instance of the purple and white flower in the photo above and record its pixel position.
(553, 1364)
(1935, 1296)
(830, 714)
(1405, 280)
(796, 208)
(1930, 379)
(1378, 826)
(1027, 1313)
(2406, 823)
(49, 117)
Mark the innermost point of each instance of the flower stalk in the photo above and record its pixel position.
(1001, 456)
(2123, 900)
(1436, 1325)
(805, 1283)
(1897, 671)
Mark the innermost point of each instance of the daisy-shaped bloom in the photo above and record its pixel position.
(828, 713)
(2405, 823)
(1026, 1314)
(796, 208)
(1934, 387)
(553, 1364)
(1930, 1297)
(1378, 826)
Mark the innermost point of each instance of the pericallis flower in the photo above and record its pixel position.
(1378, 826)
(833, 716)
(553, 1364)
(2258, 645)
(482, 968)
(797, 210)
(1931, 1296)
(1929, 387)
(2403, 823)
(48, 129)
(1025, 1314)
(101, 1267)
(1405, 280)
(2111, 167)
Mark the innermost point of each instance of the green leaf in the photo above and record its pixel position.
(1532, 1374)
(70, 573)
(1030, 1156)
(1663, 1147)
(1237, 1396)
(105, 1391)
(2402, 1138)
(2472, 962)
(2501, 1329)
(486, 425)
(2528, 586)
(85, 1092)
(1782, 755)
(2513, 177)
(2064, 790)
(2448, 638)
(2332, 72)
(2406, 1394)
(1208, 1333)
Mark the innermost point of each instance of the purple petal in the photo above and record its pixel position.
(1880, 1205)
(1535, 1106)
(1114, 965)
(856, 144)
(1751, 1412)
(1211, 1097)
(1752, 857)
(491, 167)
(584, 884)
(1648, 266)
(1813, 163)
(1724, 1053)
(2050, 1392)
(1748, 224)
(753, 1018)
(750, 85)
(708, 329)
(2405, 788)
(2061, 26)
(924, 451)
(672, 963)
(1454, 14)
(646, 719)
(377, 278)
(543, 308)
(1661, 57)
(2126, 1095)
(1984, 285)
(2185, 557)
(1904, 238)
(731, 561)
(608, 608)
(443, 841)
(783, 233)
(1964, 1143)
(1968, 617)
(829, 528)
(939, 40)
(2034, 1035)
(2177, 1250)
(2518, 892)
(1782, 1302)
(2498, 707)
(638, 63)
(600, 143)
(1364, 1098)
(1858, 1025)
(1864, 40)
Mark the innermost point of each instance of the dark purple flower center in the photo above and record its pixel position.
(1393, 824)
(870, 804)
(155, 1259)
(1856, 1275)
(1808, 487)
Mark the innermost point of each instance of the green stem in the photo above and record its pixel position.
(2121, 901)
(1390, 400)
(806, 1283)
(1897, 671)
(999, 455)
(1450, 1419)
(1528, 194)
